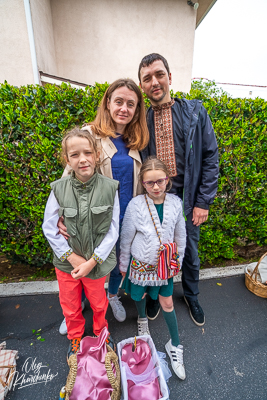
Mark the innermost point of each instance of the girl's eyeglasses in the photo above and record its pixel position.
(159, 182)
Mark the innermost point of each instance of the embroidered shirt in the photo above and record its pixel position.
(169, 139)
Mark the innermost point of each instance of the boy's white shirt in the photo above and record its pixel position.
(60, 245)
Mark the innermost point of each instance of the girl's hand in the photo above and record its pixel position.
(76, 260)
(83, 269)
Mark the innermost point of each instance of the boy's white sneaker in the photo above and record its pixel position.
(63, 326)
(142, 324)
(176, 357)
(117, 308)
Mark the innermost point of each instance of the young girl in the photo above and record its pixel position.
(90, 205)
(150, 221)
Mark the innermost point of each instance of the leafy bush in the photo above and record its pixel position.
(238, 215)
(33, 119)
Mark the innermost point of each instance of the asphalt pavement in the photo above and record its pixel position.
(226, 359)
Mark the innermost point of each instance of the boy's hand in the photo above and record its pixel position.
(62, 228)
(83, 269)
(76, 260)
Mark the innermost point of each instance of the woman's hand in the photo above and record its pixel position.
(75, 260)
(123, 274)
(83, 269)
(62, 228)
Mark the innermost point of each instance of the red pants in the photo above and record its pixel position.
(70, 294)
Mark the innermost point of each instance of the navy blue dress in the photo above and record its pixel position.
(122, 171)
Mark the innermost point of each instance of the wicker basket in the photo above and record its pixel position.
(252, 283)
(115, 382)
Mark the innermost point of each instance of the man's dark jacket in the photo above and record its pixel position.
(201, 154)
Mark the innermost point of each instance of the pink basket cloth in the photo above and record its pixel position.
(91, 381)
(141, 373)
(7, 369)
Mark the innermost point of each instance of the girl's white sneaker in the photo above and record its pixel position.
(142, 324)
(176, 357)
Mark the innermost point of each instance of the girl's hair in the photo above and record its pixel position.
(76, 132)
(153, 163)
(136, 132)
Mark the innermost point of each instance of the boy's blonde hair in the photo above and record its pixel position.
(76, 132)
(153, 163)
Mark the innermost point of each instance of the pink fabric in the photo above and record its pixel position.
(70, 294)
(92, 382)
(139, 362)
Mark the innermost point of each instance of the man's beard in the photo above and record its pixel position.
(158, 99)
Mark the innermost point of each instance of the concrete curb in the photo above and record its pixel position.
(47, 287)
(217, 273)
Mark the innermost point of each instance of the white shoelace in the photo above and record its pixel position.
(143, 328)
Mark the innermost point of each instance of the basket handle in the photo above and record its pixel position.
(257, 266)
(111, 356)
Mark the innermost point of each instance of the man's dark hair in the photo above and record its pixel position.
(149, 59)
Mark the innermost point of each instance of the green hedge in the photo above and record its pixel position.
(33, 119)
(238, 215)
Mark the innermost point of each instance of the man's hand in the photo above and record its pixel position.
(83, 269)
(75, 260)
(199, 216)
(62, 229)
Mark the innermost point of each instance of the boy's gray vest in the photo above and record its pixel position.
(87, 210)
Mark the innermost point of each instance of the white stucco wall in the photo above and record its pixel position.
(96, 40)
(102, 40)
(44, 36)
(15, 56)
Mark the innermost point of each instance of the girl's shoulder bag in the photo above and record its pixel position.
(168, 264)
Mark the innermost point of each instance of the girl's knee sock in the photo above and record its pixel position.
(171, 321)
(141, 308)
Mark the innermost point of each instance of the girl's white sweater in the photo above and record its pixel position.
(138, 234)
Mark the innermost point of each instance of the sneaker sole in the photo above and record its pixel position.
(191, 315)
(182, 378)
(118, 319)
(152, 319)
(143, 334)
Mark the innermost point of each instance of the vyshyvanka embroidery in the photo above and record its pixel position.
(164, 135)
(66, 255)
(97, 259)
(144, 274)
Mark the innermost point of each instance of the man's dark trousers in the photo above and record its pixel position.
(191, 262)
